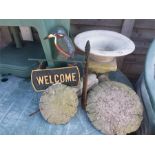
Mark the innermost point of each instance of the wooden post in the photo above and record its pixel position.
(16, 36)
(5, 37)
(127, 29)
(26, 33)
(85, 76)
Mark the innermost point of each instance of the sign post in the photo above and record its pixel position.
(85, 77)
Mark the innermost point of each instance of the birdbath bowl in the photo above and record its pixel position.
(105, 45)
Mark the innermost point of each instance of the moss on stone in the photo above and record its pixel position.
(102, 67)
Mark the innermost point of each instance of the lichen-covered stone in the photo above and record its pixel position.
(114, 108)
(58, 104)
(103, 77)
(92, 81)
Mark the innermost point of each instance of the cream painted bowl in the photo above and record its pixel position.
(105, 45)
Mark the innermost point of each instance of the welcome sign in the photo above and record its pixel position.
(43, 78)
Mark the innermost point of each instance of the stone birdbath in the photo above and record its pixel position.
(112, 107)
(106, 46)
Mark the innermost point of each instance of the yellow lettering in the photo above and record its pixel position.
(56, 78)
(68, 77)
(50, 78)
(62, 78)
(73, 77)
(46, 79)
(40, 80)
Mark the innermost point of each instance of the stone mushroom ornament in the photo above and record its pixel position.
(58, 104)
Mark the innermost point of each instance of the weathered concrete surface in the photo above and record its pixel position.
(114, 108)
(21, 100)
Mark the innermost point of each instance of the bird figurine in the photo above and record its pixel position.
(57, 36)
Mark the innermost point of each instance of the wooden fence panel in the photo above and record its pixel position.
(141, 31)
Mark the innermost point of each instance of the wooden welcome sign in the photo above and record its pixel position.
(41, 79)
